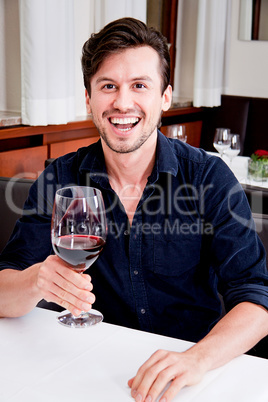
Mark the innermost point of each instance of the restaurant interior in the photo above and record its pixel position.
(32, 133)
(236, 96)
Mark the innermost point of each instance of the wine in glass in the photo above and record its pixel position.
(234, 147)
(222, 140)
(177, 131)
(78, 234)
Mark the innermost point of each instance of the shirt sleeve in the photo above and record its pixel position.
(237, 253)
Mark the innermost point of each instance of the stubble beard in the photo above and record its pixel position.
(122, 146)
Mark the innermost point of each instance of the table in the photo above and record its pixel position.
(42, 361)
(239, 167)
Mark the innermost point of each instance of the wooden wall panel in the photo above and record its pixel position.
(27, 163)
(70, 135)
(25, 148)
(61, 148)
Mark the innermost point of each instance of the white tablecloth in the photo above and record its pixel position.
(42, 361)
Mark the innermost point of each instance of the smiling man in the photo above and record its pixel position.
(174, 240)
(126, 103)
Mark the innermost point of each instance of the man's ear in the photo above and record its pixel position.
(87, 102)
(167, 98)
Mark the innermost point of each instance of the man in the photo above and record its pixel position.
(179, 226)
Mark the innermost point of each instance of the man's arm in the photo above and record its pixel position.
(236, 333)
(51, 280)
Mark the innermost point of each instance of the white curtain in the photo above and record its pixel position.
(109, 10)
(47, 61)
(212, 50)
(51, 47)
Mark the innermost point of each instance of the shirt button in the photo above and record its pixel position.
(126, 232)
(136, 272)
(143, 311)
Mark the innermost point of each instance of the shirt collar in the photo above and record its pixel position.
(166, 162)
(93, 162)
(93, 165)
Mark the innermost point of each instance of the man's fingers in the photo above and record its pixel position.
(60, 284)
(135, 381)
(130, 382)
(65, 288)
(67, 300)
(161, 381)
(148, 374)
(71, 276)
(163, 369)
(176, 385)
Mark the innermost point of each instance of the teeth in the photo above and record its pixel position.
(126, 120)
(124, 129)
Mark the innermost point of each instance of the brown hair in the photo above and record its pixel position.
(117, 36)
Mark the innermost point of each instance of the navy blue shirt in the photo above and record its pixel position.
(192, 237)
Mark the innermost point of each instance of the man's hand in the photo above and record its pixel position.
(58, 283)
(229, 338)
(162, 368)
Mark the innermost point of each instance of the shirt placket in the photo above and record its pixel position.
(136, 275)
(135, 266)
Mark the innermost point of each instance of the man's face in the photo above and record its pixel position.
(126, 101)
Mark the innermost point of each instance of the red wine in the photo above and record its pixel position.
(80, 251)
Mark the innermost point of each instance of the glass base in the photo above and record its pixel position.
(83, 321)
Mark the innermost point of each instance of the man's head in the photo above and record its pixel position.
(118, 36)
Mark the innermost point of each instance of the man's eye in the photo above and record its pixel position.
(139, 86)
(109, 86)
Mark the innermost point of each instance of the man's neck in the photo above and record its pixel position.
(130, 168)
(128, 173)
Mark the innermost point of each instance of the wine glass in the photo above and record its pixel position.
(234, 148)
(222, 140)
(177, 131)
(78, 234)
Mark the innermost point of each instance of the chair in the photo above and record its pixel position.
(257, 198)
(13, 194)
(49, 161)
(261, 221)
(256, 137)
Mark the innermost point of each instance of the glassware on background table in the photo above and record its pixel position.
(78, 234)
(222, 140)
(233, 150)
(177, 131)
(257, 171)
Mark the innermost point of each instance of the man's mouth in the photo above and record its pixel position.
(124, 124)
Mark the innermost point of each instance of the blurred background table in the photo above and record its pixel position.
(239, 167)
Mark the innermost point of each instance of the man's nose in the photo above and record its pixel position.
(123, 100)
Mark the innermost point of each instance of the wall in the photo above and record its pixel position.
(248, 67)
